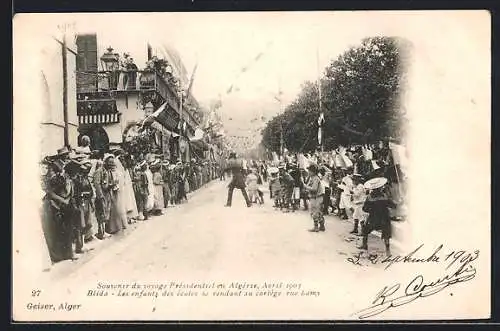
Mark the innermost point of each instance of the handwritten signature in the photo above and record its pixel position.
(416, 288)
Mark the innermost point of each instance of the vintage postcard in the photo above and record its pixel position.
(219, 166)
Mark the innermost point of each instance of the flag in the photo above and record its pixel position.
(150, 52)
(155, 114)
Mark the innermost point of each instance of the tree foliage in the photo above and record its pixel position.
(361, 92)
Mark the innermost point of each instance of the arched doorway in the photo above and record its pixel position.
(99, 139)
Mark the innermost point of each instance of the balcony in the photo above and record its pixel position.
(99, 110)
(97, 92)
(109, 84)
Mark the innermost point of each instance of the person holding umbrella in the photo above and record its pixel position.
(377, 206)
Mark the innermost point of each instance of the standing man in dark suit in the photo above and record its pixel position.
(237, 181)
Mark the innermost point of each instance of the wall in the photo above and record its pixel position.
(127, 105)
(51, 80)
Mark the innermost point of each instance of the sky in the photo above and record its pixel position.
(296, 46)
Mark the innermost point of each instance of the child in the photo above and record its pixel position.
(286, 189)
(159, 203)
(275, 185)
(316, 191)
(377, 206)
(358, 199)
(251, 182)
(345, 203)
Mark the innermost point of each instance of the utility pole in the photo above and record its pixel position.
(65, 88)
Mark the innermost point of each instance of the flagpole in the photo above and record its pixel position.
(319, 99)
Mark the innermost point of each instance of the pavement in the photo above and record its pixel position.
(201, 236)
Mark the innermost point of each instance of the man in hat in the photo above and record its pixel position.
(59, 194)
(316, 191)
(141, 190)
(63, 154)
(238, 180)
(102, 180)
(75, 206)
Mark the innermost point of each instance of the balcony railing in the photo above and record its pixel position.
(108, 84)
(99, 118)
(118, 81)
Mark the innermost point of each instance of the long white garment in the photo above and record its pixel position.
(358, 199)
(128, 196)
(131, 204)
(151, 189)
(345, 196)
(121, 201)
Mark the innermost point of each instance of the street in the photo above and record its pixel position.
(204, 239)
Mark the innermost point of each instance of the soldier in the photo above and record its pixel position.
(238, 180)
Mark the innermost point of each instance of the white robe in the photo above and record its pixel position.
(345, 196)
(151, 189)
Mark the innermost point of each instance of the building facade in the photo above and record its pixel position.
(58, 83)
(113, 102)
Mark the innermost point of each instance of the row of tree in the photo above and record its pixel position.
(361, 94)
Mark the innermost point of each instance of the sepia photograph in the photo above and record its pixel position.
(223, 166)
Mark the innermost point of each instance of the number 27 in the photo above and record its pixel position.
(35, 293)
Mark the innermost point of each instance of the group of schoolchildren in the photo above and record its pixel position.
(357, 190)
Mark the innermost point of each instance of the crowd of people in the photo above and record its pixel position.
(92, 195)
(364, 183)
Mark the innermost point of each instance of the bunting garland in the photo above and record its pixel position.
(246, 68)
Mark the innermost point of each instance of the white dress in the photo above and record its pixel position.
(358, 199)
(151, 189)
(131, 204)
(345, 196)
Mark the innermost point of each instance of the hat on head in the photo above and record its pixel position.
(63, 151)
(86, 164)
(107, 156)
(313, 167)
(58, 165)
(375, 183)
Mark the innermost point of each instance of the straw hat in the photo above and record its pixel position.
(375, 183)
(273, 170)
(107, 156)
(63, 151)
